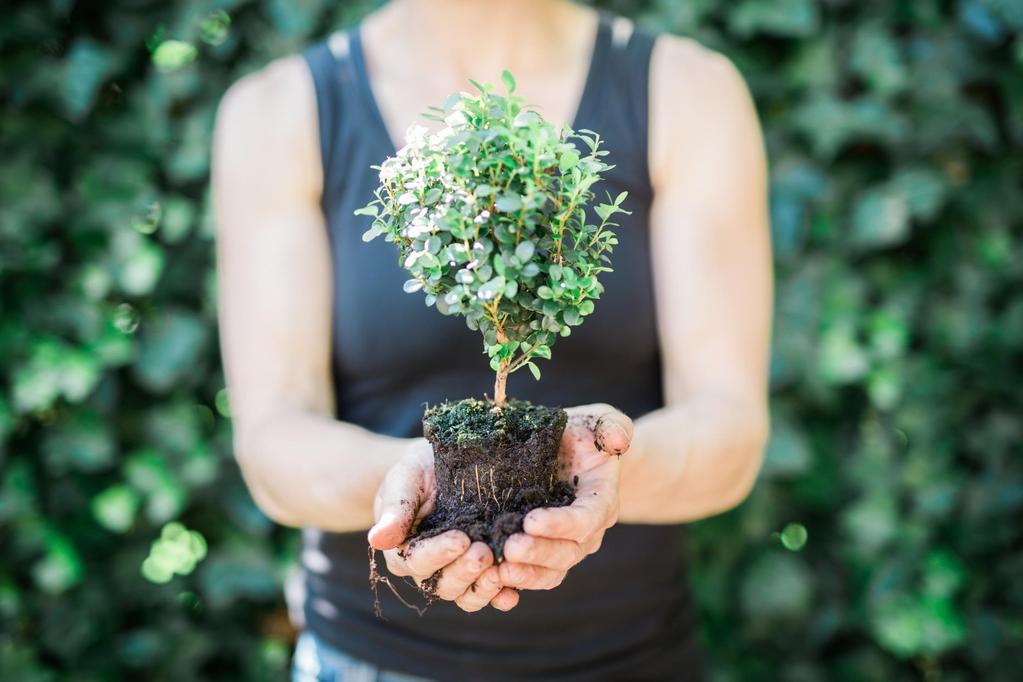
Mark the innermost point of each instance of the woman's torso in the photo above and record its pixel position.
(624, 613)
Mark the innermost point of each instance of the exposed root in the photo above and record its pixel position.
(493, 488)
(479, 489)
(375, 578)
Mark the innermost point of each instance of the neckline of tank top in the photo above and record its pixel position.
(608, 28)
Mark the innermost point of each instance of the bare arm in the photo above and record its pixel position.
(700, 454)
(275, 288)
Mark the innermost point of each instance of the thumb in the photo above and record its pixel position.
(613, 432)
(397, 503)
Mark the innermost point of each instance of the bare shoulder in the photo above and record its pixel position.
(697, 97)
(279, 92)
(682, 65)
(268, 117)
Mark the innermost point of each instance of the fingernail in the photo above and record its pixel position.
(621, 430)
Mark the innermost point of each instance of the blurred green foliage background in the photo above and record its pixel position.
(884, 540)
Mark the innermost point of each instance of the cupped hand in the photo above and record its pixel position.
(464, 571)
(557, 538)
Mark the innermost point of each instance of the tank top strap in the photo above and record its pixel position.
(626, 95)
(335, 80)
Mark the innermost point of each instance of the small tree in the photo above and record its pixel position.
(489, 217)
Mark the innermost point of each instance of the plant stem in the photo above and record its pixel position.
(500, 383)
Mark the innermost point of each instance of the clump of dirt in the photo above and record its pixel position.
(493, 466)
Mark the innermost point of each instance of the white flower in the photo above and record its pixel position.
(389, 170)
(456, 119)
(481, 217)
(416, 134)
(524, 118)
(419, 225)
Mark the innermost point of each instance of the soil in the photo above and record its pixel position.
(493, 466)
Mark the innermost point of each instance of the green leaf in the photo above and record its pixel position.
(169, 348)
(115, 508)
(491, 289)
(524, 251)
(794, 536)
(542, 351)
(880, 218)
(499, 266)
(88, 65)
(534, 370)
(60, 568)
(508, 80)
(508, 203)
(775, 17)
(568, 161)
(777, 585)
(172, 55)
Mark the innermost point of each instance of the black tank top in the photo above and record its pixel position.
(623, 613)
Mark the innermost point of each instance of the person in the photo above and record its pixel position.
(329, 362)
